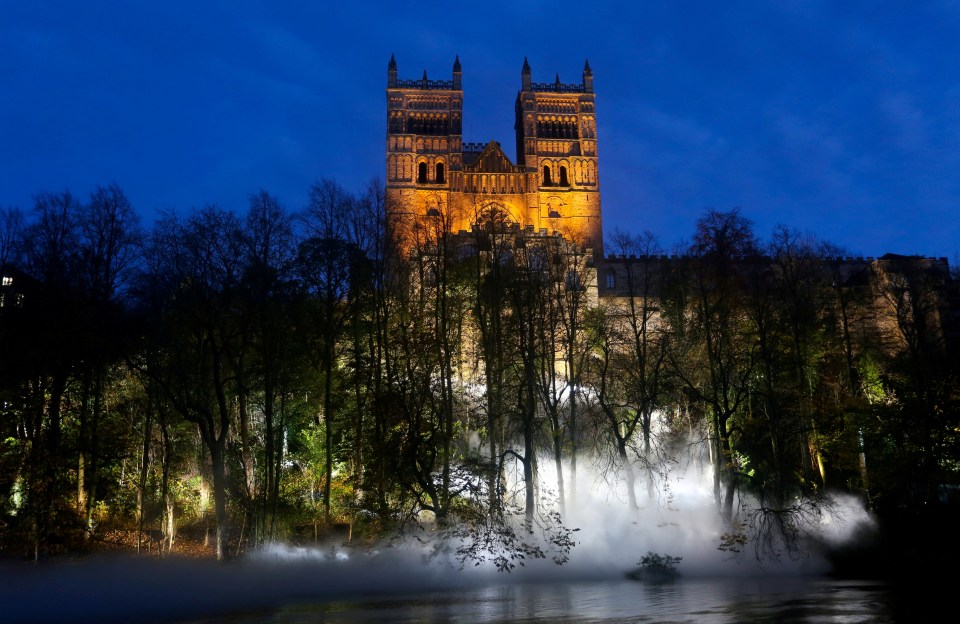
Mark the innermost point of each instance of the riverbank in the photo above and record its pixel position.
(190, 543)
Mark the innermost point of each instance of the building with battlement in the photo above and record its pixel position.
(434, 177)
(437, 184)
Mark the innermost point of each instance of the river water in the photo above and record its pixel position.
(702, 601)
(166, 592)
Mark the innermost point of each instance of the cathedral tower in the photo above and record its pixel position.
(557, 138)
(434, 179)
(424, 119)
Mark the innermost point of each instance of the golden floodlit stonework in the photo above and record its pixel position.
(432, 175)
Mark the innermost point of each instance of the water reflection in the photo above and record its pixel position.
(701, 601)
(403, 590)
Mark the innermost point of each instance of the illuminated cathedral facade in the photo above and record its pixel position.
(551, 188)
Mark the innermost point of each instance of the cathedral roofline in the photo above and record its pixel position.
(491, 159)
(424, 83)
(556, 86)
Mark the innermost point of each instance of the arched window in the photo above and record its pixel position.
(494, 218)
(563, 176)
(422, 173)
(546, 176)
(439, 179)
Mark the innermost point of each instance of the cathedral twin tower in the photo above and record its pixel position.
(432, 174)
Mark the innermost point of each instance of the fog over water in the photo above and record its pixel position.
(681, 521)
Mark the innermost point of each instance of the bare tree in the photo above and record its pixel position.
(11, 226)
(270, 294)
(52, 258)
(631, 348)
(326, 260)
(109, 247)
(199, 269)
(720, 378)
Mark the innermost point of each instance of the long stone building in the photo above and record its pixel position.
(552, 191)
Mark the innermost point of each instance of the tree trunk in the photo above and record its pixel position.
(648, 453)
(83, 436)
(529, 418)
(168, 499)
(93, 463)
(144, 471)
(572, 422)
(328, 430)
(246, 450)
(50, 481)
(630, 476)
(269, 444)
(220, 498)
(726, 459)
(558, 463)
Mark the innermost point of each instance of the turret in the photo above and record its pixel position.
(525, 75)
(392, 73)
(457, 73)
(587, 77)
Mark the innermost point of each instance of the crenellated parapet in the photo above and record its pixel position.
(423, 83)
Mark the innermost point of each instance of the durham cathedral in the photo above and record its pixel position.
(551, 189)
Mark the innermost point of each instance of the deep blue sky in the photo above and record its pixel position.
(841, 119)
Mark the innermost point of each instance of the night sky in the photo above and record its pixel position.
(841, 119)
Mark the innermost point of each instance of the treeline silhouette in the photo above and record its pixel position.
(279, 375)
